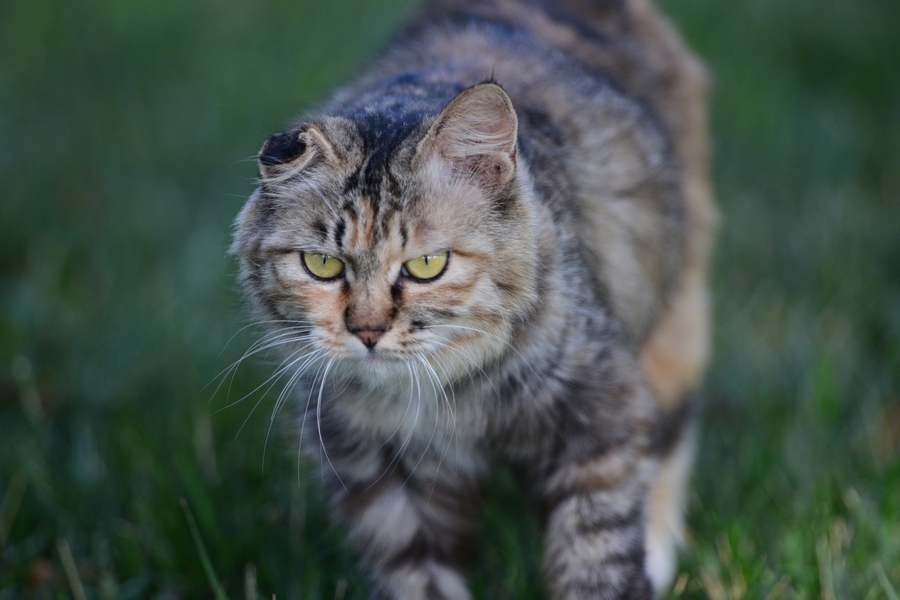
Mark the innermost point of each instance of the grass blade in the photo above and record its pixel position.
(201, 550)
(250, 582)
(70, 569)
(889, 590)
(10, 505)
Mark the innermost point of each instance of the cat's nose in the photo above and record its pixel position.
(369, 337)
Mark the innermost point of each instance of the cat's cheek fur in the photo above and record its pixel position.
(500, 230)
(307, 301)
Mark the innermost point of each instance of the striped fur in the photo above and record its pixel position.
(557, 151)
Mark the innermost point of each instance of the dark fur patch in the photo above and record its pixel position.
(321, 229)
(504, 202)
(282, 148)
(397, 293)
(351, 183)
(394, 188)
(605, 522)
(671, 425)
(416, 551)
(381, 133)
(538, 124)
(351, 211)
(496, 28)
(572, 13)
(432, 592)
(339, 231)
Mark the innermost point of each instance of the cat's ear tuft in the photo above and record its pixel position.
(292, 150)
(476, 134)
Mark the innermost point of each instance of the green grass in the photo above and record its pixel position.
(126, 135)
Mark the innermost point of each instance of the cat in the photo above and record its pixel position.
(492, 248)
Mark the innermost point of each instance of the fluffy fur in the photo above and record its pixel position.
(557, 150)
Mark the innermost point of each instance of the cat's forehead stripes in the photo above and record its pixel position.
(381, 133)
(361, 226)
(387, 117)
(372, 191)
(373, 201)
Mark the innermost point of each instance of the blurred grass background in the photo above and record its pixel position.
(127, 131)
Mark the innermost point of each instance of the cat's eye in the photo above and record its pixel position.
(322, 265)
(426, 267)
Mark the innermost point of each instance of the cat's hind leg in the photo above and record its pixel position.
(673, 360)
(665, 510)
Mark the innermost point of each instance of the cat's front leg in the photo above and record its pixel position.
(594, 540)
(410, 525)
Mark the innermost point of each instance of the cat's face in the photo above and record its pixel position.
(381, 256)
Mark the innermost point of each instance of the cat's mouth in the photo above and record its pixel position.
(379, 354)
(391, 360)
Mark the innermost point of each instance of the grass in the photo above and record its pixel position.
(126, 136)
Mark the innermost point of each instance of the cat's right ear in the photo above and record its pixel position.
(292, 151)
(476, 134)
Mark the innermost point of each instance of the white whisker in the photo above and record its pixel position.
(319, 423)
(395, 461)
(497, 337)
(311, 389)
(408, 404)
(282, 397)
(455, 435)
(264, 343)
(276, 376)
(453, 347)
(433, 429)
(396, 429)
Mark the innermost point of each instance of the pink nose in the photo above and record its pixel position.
(369, 337)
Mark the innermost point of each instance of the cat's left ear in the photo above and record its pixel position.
(294, 150)
(476, 134)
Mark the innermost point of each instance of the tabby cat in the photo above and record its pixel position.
(491, 249)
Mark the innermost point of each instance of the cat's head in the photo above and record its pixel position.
(389, 237)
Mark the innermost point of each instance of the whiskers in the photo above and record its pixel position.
(293, 332)
(451, 413)
(508, 345)
(319, 423)
(294, 340)
(433, 399)
(406, 400)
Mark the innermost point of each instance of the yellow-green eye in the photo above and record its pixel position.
(322, 265)
(427, 267)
